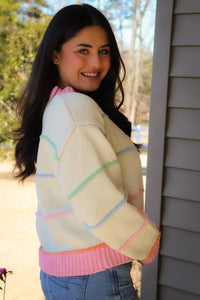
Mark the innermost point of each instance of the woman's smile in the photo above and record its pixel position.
(90, 74)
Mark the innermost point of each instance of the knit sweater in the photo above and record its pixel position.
(90, 192)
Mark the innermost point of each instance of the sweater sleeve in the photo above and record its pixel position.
(90, 178)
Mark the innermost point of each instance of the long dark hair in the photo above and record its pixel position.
(44, 76)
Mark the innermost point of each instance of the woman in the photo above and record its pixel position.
(88, 174)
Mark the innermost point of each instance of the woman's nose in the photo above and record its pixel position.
(95, 60)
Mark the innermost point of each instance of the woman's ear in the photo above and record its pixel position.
(55, 57)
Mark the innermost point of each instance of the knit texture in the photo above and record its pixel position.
(90, 192)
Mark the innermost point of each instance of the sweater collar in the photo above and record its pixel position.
(56, 91)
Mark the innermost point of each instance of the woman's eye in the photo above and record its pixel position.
(104, 51)
(83, 51)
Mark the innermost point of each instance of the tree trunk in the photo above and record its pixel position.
(137, 81)
(134, 61)
(130, 65)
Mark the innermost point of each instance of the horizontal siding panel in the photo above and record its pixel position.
(181, 153)
(184, 92)
(166, 293)
(181, 214)
(185, 62)
(182, 184)
(185, 32)
(187, 6)
(180, 275)
(184, 123)
(181, 244)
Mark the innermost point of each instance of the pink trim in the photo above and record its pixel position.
(135, 196)
(39, 214)
(70, 113)
(67, 141)
(54, 216)
(57, 91)
(135, 233)
(74, 129)
(81, 262)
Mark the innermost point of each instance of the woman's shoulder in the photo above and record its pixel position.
(80, 107)
(68, 111)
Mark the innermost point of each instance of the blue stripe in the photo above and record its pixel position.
(125, 150)
(44, 175)
(108, 215)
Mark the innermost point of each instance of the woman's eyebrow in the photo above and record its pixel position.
(89, 46)
(104, 46)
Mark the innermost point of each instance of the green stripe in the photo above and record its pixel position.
(52, 144)
(105, 124)
(91, 177)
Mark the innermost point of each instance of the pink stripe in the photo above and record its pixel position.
(67, 141)
(81, 262)
(135, 233)
(75, 126)
(54, 216)
(39, 214)
(135, 196)
(57, 91)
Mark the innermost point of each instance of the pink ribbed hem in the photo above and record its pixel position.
(81, 262)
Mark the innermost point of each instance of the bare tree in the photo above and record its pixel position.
(134, 59)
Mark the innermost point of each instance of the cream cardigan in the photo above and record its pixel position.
(90, 192)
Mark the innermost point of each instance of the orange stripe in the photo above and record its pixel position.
(86, 250)
(153, 248)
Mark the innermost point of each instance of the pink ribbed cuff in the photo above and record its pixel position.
(154, 251)
(81, 262)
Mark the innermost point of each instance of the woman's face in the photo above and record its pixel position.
(84, 60)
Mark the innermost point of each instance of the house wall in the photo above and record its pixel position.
(173, 171)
